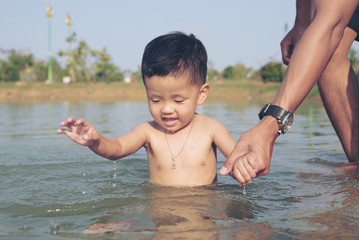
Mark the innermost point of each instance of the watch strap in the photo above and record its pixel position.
(284, 117)
(276, 112)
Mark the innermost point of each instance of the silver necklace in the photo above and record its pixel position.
(173, 157)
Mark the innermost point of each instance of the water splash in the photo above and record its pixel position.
(114, 175)
(84, 175)
(244, 190)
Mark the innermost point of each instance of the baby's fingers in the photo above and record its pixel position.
(242, 171)
(61, 131)
(69, 122)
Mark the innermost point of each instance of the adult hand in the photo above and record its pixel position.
(80, 131)
(252, 154)
(289, 42)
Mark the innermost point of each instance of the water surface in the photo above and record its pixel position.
(53, 188)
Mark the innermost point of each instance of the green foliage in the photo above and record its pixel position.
(228, 72)
(85, 64)
(241, 72)
(352, 55)
(212, 74)
(58, 71)
(255, 76)
(104, 69)
(89, 65)
(137, 75)
(40, 71)
(15, 64)
(272, 72)
(23, 67)
(237, 72)
(79, 61)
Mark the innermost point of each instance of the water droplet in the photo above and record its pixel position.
(244, 190)
(114, 174)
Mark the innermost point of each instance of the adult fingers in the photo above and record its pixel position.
(286, 53)
(238, 151)
(257, 164)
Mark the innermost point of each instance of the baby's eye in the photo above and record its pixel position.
(179, 101)
(155, 100)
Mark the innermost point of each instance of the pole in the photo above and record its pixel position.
(69, 24)
(49, 67)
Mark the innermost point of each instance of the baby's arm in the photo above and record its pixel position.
(221, 137)
(225, 143)
(82, 132)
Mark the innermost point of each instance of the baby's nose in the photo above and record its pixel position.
(167, 108)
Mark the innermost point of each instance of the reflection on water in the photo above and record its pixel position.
(50, 187)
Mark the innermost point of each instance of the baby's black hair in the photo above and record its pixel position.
(174, 54)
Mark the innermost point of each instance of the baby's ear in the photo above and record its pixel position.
(203, 93)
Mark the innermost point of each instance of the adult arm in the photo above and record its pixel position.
(301, 23)
(310, 55)
(314, 49)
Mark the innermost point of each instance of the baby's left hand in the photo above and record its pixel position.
(80, 131)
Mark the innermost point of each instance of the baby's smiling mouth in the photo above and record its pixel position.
(169, 121)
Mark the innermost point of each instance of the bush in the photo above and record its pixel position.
(272, 72)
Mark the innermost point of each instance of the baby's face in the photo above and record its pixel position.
(172, 101)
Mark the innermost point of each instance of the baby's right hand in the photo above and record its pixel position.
(80, 131)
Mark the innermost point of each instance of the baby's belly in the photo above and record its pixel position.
(183, 176)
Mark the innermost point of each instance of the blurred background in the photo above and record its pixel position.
(104, 40)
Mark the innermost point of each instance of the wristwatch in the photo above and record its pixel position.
(284, 117)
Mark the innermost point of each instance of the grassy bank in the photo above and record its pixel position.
(222, 91)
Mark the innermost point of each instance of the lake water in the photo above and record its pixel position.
(52, 188)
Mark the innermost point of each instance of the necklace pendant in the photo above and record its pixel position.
(173, 163)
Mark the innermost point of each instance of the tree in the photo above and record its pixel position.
(241, 72)
(137, 75)
(212, 74)
(77, 66)
(237, 72)
(104, 69)
(23, 67)
(272, 72)
(228, 72)
(40, 70)
(86, 64)
(16, 62)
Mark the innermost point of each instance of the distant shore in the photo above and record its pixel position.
(221, 91)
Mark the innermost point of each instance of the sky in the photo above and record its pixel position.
(233, 31)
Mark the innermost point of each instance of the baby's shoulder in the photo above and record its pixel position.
(206, 121)
(146, 126)
(149, 128)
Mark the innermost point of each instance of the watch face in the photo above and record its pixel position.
(284, 117)
(287, 123)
